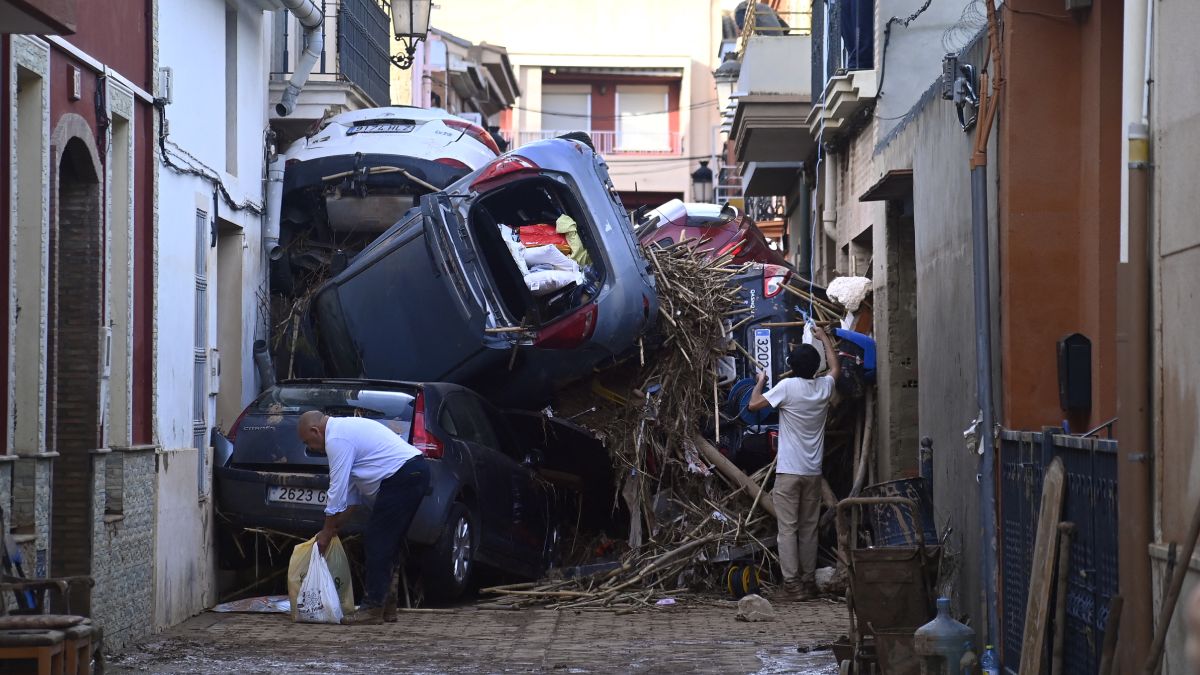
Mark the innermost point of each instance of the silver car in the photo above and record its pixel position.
(443, 294)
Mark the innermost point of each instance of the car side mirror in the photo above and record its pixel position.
(533, 459)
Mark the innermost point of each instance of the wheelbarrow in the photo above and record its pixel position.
(892, 591)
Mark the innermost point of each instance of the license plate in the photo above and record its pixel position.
(380, 129)
(762, 351)
(295, 495)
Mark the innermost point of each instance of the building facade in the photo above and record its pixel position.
(78, 226)
(637, 77)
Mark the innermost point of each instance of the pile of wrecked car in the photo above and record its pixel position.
(577, 375)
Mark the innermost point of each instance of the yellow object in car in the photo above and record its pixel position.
(566, 226)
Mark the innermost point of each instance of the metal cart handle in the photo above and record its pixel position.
(850, 502)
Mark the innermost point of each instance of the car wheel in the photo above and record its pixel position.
(450, 565)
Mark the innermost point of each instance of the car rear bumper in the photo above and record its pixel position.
(241, 499)
(312, 172)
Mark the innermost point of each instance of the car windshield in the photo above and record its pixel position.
(394, 408)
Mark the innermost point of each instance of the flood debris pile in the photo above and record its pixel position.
(691, 511)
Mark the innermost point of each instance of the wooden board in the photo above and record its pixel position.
(1041, 578)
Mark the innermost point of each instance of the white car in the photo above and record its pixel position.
(367, 167)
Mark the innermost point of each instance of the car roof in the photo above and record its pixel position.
(371, 384)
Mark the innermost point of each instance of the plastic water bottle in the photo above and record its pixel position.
(990, 663)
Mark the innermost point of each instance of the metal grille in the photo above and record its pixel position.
(363, 32)
(200, 347)
(1090, 501)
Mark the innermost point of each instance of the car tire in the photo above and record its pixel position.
(449, 565)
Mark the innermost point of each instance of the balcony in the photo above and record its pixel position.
(773, 99)
(353, 71)
(618, 143)
(846, 95)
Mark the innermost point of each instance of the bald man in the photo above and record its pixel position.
(372, 467)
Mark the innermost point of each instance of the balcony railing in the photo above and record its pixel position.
(357, 34)
(618, 142)
(364, 34)
(765, 21)
(766, 209)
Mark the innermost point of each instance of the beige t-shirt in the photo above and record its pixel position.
(802, 404)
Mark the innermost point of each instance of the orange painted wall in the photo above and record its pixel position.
(1059, 201)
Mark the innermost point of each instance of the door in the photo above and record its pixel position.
(530, 506)
(462, 416)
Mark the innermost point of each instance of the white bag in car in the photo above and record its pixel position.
(318, 600)
(550, 270)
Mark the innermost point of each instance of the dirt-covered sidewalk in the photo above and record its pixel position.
(693, 636)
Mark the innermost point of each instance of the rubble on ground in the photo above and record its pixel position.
(691, 510)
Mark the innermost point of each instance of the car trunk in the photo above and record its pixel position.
(265, 436)
(522, 221)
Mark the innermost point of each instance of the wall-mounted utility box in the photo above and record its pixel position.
(1075, 373)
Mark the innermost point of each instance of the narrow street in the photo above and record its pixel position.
(694, 636)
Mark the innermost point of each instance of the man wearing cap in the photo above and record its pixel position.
(803, 402)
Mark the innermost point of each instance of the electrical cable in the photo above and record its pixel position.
(208, 174)
(887, 36)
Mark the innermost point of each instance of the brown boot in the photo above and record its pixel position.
(793, 591)
(390, 612)
(364, 616)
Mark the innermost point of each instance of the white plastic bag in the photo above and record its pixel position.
(318, 601)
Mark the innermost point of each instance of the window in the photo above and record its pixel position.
(469, 421)
(566, 107)
(643, 123)
(200, 350)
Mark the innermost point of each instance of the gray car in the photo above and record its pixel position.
(442, 295)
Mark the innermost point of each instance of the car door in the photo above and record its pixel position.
(530, 518)
(463, 418)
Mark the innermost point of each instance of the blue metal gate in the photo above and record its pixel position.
(1090, 501)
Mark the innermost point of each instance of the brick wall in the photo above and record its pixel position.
(76, 287)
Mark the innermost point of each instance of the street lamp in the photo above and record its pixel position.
(410, 23)
(702, 183)
(726, 77)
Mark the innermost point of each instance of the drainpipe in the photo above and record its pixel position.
(274, 205)
(981, 262)
(804, 245)
(1134, 316)
(308, 13)
(829, 215)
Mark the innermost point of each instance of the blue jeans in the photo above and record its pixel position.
(395, 505)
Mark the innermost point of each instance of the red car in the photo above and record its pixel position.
(726, 229)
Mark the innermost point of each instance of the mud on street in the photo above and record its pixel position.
(697, 635)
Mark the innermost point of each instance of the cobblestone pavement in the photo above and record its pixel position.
(694, 636)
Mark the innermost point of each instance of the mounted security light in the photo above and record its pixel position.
(965, 98)
(410, 23)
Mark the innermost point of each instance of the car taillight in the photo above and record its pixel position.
(422, 439)
(774, 279)
(237, 424)
(452, 163)
(733, 248)
(570, 332)
(503, 167)
(474, 131)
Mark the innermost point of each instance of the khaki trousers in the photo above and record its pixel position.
(798, 508)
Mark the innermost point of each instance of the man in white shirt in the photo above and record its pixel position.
(803, 402)
(370, 466)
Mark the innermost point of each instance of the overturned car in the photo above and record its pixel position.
(515, 280)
